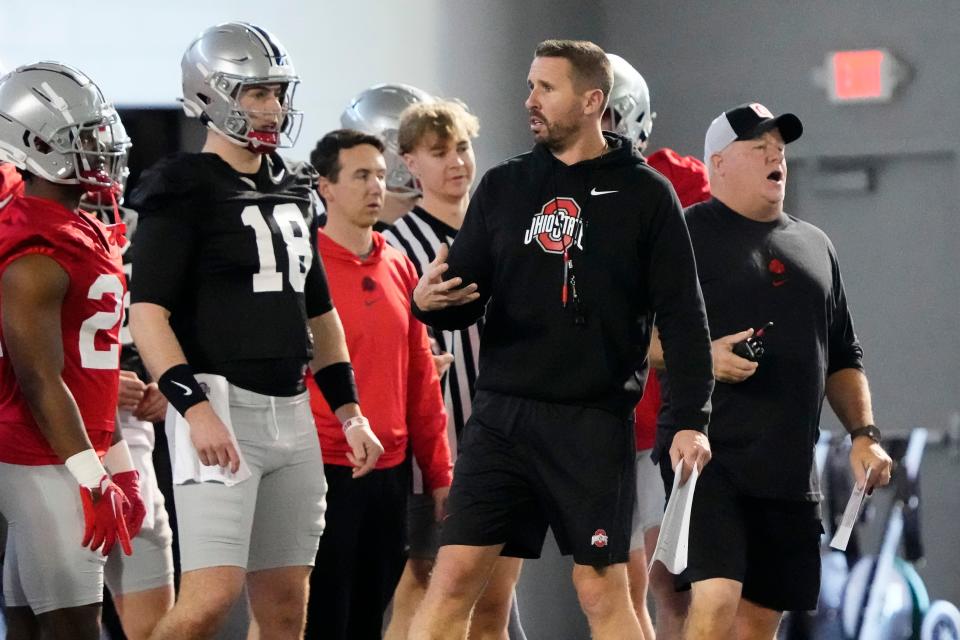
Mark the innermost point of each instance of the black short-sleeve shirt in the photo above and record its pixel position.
(233, 257)
(763, 430)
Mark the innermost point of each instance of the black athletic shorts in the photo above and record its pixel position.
(525, 465)
(423, 532)
(771, 546)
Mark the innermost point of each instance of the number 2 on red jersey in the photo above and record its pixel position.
(90, 356)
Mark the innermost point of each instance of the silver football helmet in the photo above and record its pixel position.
(220, 64)
(377, 111)
(630, 102)
(56, 124)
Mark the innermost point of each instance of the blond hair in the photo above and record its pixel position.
(447, 119)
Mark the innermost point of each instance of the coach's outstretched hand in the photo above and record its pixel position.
(693, 448)
(433, 292)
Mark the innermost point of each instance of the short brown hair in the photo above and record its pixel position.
(447, 119)
(325, 157)
(591, 67)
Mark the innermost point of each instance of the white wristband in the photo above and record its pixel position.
(355, 421)
(86, 468)
(118, 458)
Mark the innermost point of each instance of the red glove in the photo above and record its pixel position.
(134, 511)
(103, 518)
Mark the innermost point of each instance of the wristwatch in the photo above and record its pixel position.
(869, 430)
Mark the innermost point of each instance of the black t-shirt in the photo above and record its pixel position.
(763, 430)
(129, 356)
(233, 257)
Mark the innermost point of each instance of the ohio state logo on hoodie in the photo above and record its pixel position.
(556, 226)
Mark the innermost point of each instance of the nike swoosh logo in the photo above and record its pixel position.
(4, 202)
(777, 283)
(187, 391)
(594, 192)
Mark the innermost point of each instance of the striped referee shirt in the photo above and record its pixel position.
(418, 234)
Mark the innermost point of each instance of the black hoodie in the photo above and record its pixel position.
(626, 238)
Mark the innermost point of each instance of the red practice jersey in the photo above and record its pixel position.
(11, 184)
(89, 252)
(689, 179)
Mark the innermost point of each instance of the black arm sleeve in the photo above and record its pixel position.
(161, 257)
(681, 316)
(168, 200)
(316, 289)
(844, 351)
(471, 259)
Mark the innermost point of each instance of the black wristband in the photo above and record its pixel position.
(180, 388)
(337, 384)
(868, 430)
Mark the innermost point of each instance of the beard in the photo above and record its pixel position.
(557, 134)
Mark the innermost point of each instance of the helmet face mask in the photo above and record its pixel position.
(101, 154)
(377, 111)
(225, 62)
(243, 125)
(620, 108)
(55, 123)
(399, 180)
(106, 204)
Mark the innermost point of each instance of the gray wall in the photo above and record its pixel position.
(486, 50)
(700, 57)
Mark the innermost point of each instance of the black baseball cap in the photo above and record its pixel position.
(747, 122)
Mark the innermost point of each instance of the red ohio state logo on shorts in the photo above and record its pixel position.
(556, 226)
(599, 539)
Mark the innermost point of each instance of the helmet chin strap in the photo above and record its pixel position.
(115, 206)
(97, 182)
(263, 141)
(97, 192)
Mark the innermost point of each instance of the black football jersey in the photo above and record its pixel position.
(233, 258)
(129, 356)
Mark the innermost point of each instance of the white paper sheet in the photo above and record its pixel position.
(674, 540)
(183, 456)
(842, 537)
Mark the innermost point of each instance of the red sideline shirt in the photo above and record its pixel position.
(688, 176)
(11, 184)
(91, 315)
(396, 378)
